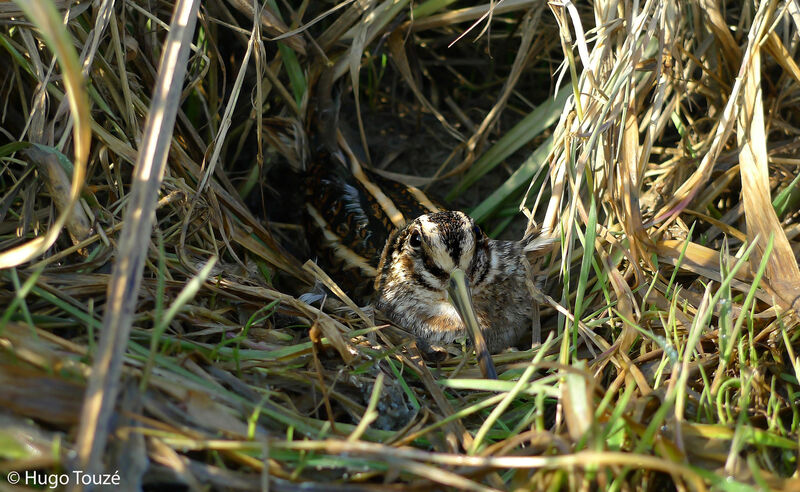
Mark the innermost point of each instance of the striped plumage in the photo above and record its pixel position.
(414, 274)
(350, 215)
(365, 226)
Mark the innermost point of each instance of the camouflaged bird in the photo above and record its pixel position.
(414, 275)
(368, 226)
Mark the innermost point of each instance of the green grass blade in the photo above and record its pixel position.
(523, 132)
(514, 183)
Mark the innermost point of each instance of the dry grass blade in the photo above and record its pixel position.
(400, 58)
(653, 148)
(471, 13)
(10, 9)
(271, 24)
(724, 126)
(58, 185)
(123, 290)
(783, 273)
(583, 458)
(44, 15)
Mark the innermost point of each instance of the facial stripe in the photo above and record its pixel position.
(480, 260)
(434, 269)
(420, 280)
(493, 264)
(452, 242)
(387, 258)
(447, 241)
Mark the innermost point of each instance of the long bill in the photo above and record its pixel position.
(461, 297)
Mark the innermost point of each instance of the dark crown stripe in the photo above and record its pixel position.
(450, 226)
(455, 249)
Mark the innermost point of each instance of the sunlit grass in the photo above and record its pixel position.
(654, 146)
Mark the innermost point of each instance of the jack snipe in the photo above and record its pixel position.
(438, 275)
(416, 284)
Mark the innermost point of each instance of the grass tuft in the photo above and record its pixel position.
(154, 276)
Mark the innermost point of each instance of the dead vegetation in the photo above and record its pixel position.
(142, 149)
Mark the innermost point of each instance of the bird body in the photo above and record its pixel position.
(366, 226)
(348, 220)
(414, 272)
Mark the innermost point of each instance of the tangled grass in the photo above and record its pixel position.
(152, 261)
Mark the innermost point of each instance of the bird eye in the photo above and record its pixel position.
(415, 240)
(477, 231)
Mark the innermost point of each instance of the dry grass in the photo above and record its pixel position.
(661, 146)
